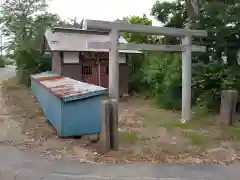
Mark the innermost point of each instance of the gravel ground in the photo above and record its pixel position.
(26, 165)
(23, 125)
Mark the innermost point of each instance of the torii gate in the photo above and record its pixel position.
(114, 46)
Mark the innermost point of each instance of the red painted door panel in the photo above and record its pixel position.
(104, 74)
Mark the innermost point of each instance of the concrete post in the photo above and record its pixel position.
(113, 65)
(234, 107)
(105, 127)
(186, 78)
(114, 124)
(228, 106)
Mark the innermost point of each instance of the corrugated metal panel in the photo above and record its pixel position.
(77, 41)
(44, 74)
(66, 88)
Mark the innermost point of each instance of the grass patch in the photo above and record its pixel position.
(16, 90)
(197, 138)
(235, 132)
(176, 123)
(19, 97)
(167, 119)
(199, 113)
(13, 83)
(171, 119)
(131, 137)
(230, 133)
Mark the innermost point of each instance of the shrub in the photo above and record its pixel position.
(159, 75)
(2, 64)
(31, 62)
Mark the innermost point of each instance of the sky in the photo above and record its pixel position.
(108, 10)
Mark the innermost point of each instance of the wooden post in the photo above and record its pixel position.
(105, 126)
(99, 70)
(113, 65)
(186, 78)
(114, 124)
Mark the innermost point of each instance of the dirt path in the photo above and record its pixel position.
(23, 125)
(10, 130)
(147, 134)
(20, 165)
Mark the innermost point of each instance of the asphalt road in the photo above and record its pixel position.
(15, 164)
(19, 165)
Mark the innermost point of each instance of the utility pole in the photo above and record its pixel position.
(1, 60)
(1, 46)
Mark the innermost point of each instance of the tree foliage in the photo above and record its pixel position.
(156, 74)
(137, 37)
(74, 23)
(162, 72)
(24, 23)
(2, 64)
(136, 62)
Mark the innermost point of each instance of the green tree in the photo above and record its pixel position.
(2, 64)
(136, 62)
(221, 20)
(72, 23)
(24, 23)
(160, 73)
(137, 37)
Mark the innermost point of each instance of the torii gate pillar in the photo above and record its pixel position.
(186, 78)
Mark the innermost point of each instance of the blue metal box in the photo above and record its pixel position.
(72, 107)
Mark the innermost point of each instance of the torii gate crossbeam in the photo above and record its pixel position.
(114, 46)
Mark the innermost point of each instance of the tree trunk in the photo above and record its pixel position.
(193, 8)
(193, 12)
